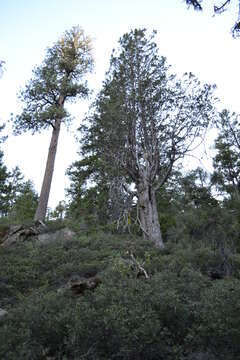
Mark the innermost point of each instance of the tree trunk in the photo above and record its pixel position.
(149, 215)
(47, 180)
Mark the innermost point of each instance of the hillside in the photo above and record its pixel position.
(87, 298)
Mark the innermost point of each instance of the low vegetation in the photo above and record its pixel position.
(188, 307)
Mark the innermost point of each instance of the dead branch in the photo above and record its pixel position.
(141, 269)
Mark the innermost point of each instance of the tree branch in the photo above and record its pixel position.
(220, 9)
(50, 123)
(139, 267)
(196, 4)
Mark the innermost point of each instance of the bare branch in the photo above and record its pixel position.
(196, 4)
(50, 123)
(139, 267)
(221, 8)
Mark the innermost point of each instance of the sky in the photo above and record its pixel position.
(191, 41)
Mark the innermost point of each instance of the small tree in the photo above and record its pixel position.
(59, 211)
(24, 203)
(57, 80)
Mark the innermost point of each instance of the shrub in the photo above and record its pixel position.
(36, 328)
(219, 314)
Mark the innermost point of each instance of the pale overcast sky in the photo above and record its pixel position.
(191, 41)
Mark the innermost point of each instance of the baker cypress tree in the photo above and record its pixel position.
(142, 122)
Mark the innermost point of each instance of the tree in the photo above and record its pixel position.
(16, 180)
(18, 198)
(188, 211)
(24, 203)
(219, 9)
(57, 80)
(88, 202)
(4, 185)
(59, 211)
(143, 121)
(226, 163)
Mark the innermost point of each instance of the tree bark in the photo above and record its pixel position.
(149, 215)
(47, 180)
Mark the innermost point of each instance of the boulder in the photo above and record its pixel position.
(2, 313)
(77, 285)
(61, 234)
(201, 356)
(3, 232)
(37, 232)
(18, 233)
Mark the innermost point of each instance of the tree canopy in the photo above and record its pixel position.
(59, 77)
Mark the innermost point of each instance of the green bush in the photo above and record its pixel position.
(179, 311)
(36, 328)
(219, 327)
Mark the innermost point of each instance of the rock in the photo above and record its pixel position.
(201, 356)
(216, 274)
(18, 233)
(78, 285)
(3, 232)
(37, 232)
(62, 234)
(2, 313)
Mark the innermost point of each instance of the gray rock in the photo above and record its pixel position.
(201, 356)
(2, 313)
(18, 233)
(62, 234)
(36, 232)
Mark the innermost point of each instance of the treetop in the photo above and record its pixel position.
(59, 78)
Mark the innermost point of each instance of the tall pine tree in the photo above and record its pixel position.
(60, 78)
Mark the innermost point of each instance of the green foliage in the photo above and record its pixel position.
(219, 316)
(179, 311)
(24, 203)
(90, 204)
(59, 212)
(4, 177)
(226, 174)
(18, 198)
(4, 187)
(41, 321)
(59, 78)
